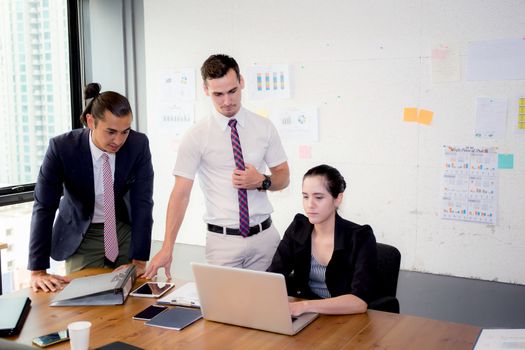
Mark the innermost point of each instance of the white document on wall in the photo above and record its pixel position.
(268, 82)
(491, 118)
(469, 184)
(175, 101)
(446, 63)
(496, 60)
(501, 339)
(296, 124)
(177, 85)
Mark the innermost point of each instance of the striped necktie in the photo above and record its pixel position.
(244, 217)
(110, 227)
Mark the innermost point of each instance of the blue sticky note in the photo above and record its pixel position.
(505, 161)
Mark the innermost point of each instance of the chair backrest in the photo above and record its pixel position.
(388, 263)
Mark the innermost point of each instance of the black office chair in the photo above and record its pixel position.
(388, 262)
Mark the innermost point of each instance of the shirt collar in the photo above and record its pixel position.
(223, 121)
(96, 152)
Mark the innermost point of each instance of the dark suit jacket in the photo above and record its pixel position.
(351, 269)
(67, 170)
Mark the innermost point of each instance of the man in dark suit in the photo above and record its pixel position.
(76, 167)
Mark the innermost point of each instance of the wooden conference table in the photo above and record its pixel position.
(374, 329)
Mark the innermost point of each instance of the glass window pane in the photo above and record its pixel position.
(14, 231)
(38, 28)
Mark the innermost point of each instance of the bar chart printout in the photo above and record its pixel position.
(469, 184)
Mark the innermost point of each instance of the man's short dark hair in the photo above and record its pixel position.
(217, 66)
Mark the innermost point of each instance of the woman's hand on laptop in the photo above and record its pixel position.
(297, 308)
(161, 260)
(40, 279)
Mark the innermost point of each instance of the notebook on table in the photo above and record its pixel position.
(246, 298)
(177, 318)
(14, 313)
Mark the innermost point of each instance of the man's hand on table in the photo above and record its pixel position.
(41, 280)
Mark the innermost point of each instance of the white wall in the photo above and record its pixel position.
(360, 62)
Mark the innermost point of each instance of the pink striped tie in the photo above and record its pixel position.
(244, 217)
(110, 227)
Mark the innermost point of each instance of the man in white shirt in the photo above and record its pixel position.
(208, 149)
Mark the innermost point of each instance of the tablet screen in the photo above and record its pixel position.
(153, 289)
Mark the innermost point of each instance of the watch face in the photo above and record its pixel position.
(266, 183)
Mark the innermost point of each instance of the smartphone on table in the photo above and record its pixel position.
(152, 289)
(51, 338)
(149, 312)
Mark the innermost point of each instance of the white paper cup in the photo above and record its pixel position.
(79, 335)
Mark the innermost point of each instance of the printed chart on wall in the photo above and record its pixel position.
(297, 124)
(268, 82)
(175, 100)
(469, 184)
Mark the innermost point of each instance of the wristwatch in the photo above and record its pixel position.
(267, 182)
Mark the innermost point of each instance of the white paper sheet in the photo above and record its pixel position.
(491, 118)
(296, 124)
(496, 60)
(185, 295)
(446, 63)
(501, 339)
(268, 82)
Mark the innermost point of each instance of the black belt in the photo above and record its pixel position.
(235, 231)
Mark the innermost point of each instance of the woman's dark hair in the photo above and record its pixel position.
(97, 103)
(335, 182)
(217, 66)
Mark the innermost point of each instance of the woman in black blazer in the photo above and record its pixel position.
(327, 260)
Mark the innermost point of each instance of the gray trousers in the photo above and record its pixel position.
(91, 252)
(253, 253)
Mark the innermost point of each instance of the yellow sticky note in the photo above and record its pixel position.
(263, 112)
(425, 117)
(410, 114)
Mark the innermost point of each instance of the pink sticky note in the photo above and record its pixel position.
(305, 152)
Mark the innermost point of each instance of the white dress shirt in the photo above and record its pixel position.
(206, 149)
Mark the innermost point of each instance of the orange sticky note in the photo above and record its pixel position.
(425, 117)
(410, 114)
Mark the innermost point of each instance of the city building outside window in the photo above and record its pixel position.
(35, 105)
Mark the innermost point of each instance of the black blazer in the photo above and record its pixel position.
(67, 172)
(351, 269)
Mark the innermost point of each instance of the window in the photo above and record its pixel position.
(41, 83)
(38, 48)
(31, 24)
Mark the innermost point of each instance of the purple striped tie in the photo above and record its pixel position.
(110, 227)
(244, 217)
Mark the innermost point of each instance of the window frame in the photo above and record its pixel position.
(21, 193)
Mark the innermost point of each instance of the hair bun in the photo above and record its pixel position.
(92, 90)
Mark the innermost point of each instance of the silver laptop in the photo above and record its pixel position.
(246, 298)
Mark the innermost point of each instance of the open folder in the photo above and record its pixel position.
(105, 289)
